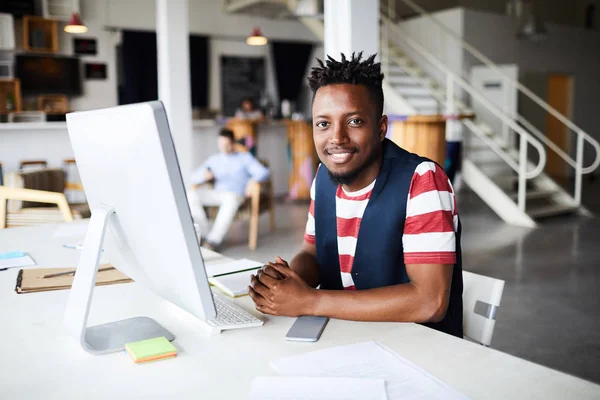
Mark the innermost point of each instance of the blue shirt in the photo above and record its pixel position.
(232, 171)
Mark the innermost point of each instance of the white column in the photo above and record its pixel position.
(351, 25)
(172, 38)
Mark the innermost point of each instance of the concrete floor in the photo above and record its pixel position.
(550, 310)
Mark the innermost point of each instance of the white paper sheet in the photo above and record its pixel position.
(24, 261)
(306, 388)
(232, 266)
(404, 380)
(71, 230)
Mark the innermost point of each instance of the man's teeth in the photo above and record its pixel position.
(340, 156)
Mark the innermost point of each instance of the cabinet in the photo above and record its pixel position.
(10, 95)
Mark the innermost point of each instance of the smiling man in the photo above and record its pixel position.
(382, 240)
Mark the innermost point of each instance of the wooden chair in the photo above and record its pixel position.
(33, 216)
(28, 165)
(260, 201)
(28, 198)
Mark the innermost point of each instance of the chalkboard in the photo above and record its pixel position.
(241, 77)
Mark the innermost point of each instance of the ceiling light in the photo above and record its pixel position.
(257, 38)
(75, 24)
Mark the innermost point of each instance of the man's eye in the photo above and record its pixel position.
(322, 124)
(355, 121)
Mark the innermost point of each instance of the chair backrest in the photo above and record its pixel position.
(481, 301)
(32, 165)
(51, 180)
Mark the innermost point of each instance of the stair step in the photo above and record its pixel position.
(486, 129)
(416, 91)
(551, 209)
(422, 102)
(536, 194)
(404, 80)
(394, 70)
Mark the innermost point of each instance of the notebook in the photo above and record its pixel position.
(31, 281)
(234, 285)
(151, 350)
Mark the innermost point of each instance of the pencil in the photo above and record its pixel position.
(69, 273)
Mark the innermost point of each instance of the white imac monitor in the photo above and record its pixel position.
(140, 217)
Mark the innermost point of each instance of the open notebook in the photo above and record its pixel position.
(30, 280)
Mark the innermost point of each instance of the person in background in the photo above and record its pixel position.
(248, 111)
(382, 238)
(233, 173)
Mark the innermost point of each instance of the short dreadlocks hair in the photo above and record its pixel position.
(353, 71)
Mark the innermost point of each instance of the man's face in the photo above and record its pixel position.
(225, 144)
(247, 106)
(346, 130)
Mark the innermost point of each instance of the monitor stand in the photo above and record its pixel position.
(110, 337)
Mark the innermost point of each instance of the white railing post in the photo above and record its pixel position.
(522, 173)
(385, 49)
(450, 95)
(506, 89)
(578, 168)
(450, 105)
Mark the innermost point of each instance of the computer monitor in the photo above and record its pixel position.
(129, 170)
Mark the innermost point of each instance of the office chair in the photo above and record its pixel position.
(481, 300)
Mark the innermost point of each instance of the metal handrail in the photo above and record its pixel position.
(487, 62)
(403, 35)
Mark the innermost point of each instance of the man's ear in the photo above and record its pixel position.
(383, 127)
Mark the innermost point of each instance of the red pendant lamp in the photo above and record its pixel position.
(75, 24)
(256, 38)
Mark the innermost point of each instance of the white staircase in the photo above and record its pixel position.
(502, 175)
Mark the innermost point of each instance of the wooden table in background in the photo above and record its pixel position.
(424, 135)
(303, 159)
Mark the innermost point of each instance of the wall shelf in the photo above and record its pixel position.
(40, 34)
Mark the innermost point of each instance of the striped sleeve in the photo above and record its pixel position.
(309, 233)
(431, 218)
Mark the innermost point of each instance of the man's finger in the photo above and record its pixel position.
(272, 272)
(269, 281)
(281, 261)
(256, 298)
(285, 271)
(259, 287)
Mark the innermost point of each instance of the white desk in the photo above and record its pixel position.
(38, 360)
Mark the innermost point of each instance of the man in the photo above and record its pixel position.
(383, 236)
(234, 174)
(248, 111)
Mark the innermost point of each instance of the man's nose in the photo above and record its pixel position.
(338, 134)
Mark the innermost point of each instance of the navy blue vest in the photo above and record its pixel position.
(379, 256)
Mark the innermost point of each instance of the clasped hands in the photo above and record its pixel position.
(277, 290)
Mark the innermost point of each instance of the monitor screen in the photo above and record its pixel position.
(48, 74)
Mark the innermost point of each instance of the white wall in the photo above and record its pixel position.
(96, 93)
(566, 50)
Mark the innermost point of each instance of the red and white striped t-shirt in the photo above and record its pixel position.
(429, 235)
